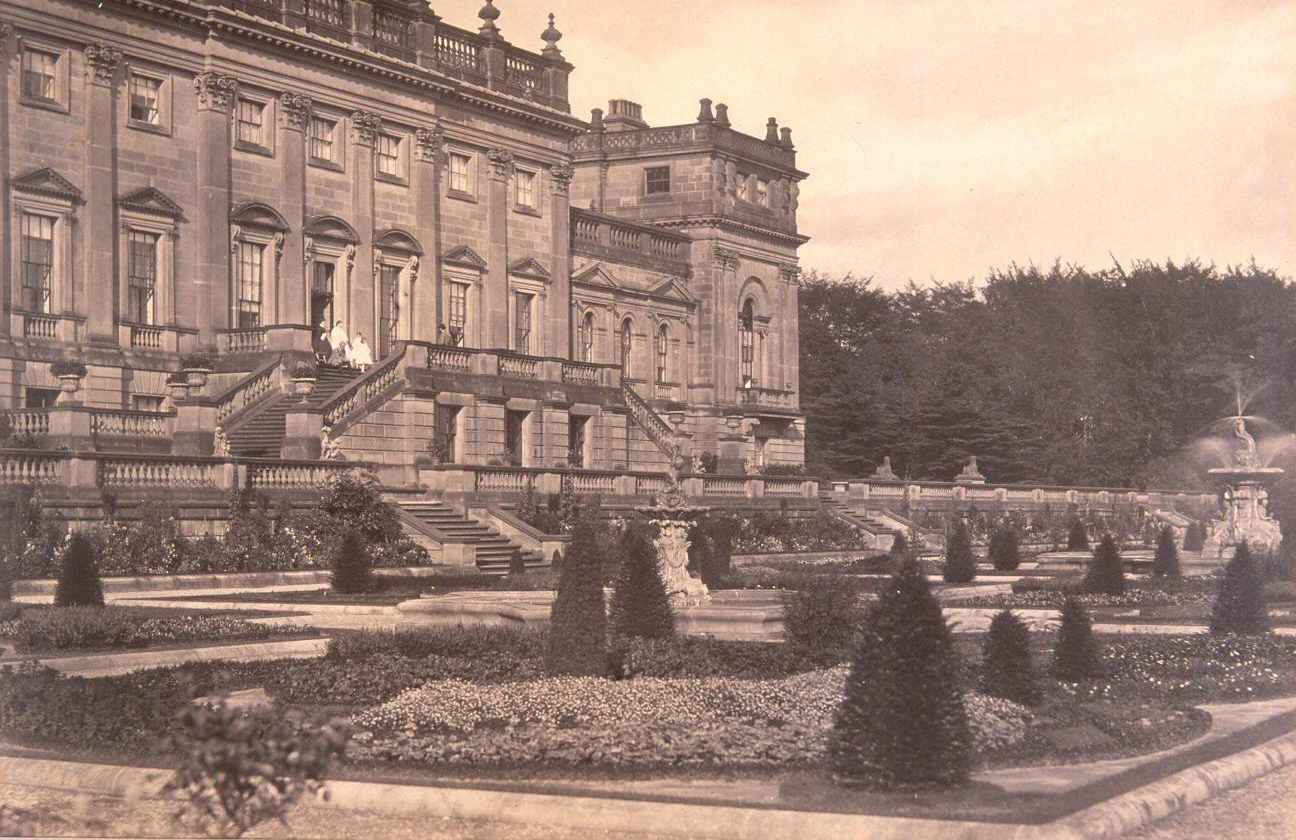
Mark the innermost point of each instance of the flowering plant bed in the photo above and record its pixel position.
(51, 630)
(1198, 593)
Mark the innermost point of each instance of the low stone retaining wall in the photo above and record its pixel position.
(219, 580)
(805, 556)
(114, 664)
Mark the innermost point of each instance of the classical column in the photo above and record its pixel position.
(425, 291)
(211, 285)
(95, 289)
(360, 307)
(495, 301)
(294, 114)
(558, 331)
(6, 214)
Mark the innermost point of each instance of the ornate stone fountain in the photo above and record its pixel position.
(1245, 487)
(674, 518)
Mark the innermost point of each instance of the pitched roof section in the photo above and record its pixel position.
(46, 182)
(464, 256)
(151, 200)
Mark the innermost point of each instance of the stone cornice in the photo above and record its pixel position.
(730, 224)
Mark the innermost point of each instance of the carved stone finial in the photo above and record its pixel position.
(428, 143)
(102, 63)
(596, 120)
(294, 110)
(772, 131)
(501, 163)
(216, 91)
(489, 14)
(364, 127)
(551, 37)
(561, 175)
(722, 115)
(704, 111)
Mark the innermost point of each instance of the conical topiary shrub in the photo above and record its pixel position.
(1165, 563)
(899, 551)
(640, 607)
(1106, 572)
(901, 720)
(578, 621)
(79, 584)
(960, 562)
(1008, 671)
(1076, 656)
(1004, 551)
(352, 568)
(1240, 605)
(1194, 537)
(1078, 536)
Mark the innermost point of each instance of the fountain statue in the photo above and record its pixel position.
(1245, 487)
(674, 519)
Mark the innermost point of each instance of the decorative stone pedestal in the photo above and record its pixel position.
(672, 543)
(1246, 502)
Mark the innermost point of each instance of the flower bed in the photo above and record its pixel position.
(1196, 668)
(94, 628)
(1049, 593)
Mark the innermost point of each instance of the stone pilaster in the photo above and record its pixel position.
(495, 300)
(360, 306)
(98, 230)
(558, 332)
(294, 115)
(425, 293)
(211, 284)
(6, 213)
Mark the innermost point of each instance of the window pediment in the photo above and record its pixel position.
(398, 240)
(465, 257)
(256, 214)
(331, 227)
(597, 275)
(151, 201)
(47, 183)
(673, 290)
(529, 267)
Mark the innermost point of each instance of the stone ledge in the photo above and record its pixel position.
(114, 664)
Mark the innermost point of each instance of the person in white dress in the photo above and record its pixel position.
(338, 342)
(361, 353)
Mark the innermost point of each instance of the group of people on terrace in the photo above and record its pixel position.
(334, 347)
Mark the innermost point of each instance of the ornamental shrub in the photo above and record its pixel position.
(1078, 536)
(820, 616)
(1165, 563)
(1106, 572)
(240, 769)
(352, 568)
(640, 606)
(902, 719)
(1240, 605)
(1008, 671)
(1076, 656)
(960, 562)
(355, 499)
(78, 583)
(1194, 537)
(1005, 554)
(900, 551)
(578, 622)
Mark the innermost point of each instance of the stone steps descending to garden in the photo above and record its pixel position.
(262, 436)
(492, 550)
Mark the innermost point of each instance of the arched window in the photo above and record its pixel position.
(626, 344)
(663, 353)
(747, 344)
(587, 337)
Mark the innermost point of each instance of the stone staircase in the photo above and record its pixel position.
(493, 551)
(837, 503)
(660, 435)
(262, 435)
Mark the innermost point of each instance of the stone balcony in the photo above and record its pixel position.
(605, 237)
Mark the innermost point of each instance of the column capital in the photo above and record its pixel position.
(6, 32)
(294, 111)
(790, 273)
(102, 63)
(725, 258)
(561, 174)
(364, 127)
(501, 163)
(216, 91)
(428, 143)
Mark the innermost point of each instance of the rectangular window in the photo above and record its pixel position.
(251, 275)
(146, 402)
(323, 140)
(663, 354)
(524, 188)
(389, 313)
(522, 321)
(460, 168)
(141, 264)
(37, 262)
(514, 438)
(445, 439)
(249, 123)
(145, 99)
(40, 397)
(742, 189)
(457, 321)
(657, 180)
(762, 193)
(387, 155)
(39, 75)
(576, 428)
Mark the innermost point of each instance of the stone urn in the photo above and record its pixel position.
(177, 390)
(69, 384)
(197, 377)
(303, 386)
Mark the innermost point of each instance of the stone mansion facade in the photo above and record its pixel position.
(214, 184)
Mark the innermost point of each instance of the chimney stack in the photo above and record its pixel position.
(624, 115)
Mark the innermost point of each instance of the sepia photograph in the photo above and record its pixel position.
(648, 419)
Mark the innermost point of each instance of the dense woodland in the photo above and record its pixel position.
(1112, 377)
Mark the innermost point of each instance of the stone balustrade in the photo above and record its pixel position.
(605, 237)
(105, 423)
(246, 392)
(28, 421)
(936, 494)
(32, 467)
(461, 480)
(450, 359)
(294, 475)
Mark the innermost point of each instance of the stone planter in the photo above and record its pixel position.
(177, 390)
(197, 377)
(69, 384)
(303, 387)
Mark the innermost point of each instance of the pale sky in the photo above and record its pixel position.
(946, 138)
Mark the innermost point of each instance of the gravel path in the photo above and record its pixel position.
(1261, 810)
(52, 813)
